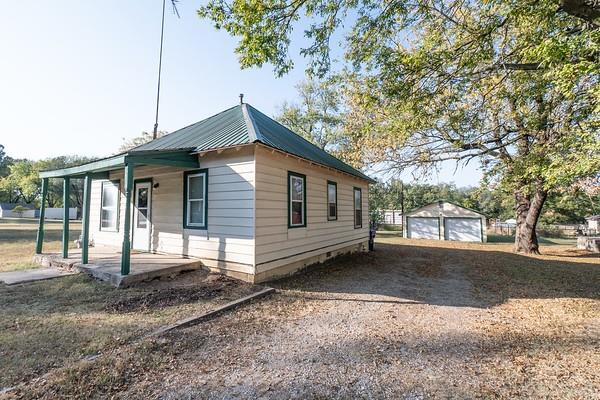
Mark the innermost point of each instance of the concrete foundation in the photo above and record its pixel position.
(105, 264)
(289, 269)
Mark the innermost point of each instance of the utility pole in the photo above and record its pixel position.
(162, 33)
(402, 198)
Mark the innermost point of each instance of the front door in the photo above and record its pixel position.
(142, 225)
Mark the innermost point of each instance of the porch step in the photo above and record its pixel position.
(107, 267)
(112, 274)
(56, 261)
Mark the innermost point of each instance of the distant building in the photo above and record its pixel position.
(443, 220)
(392, 217)
(6, 210)
(593, 223)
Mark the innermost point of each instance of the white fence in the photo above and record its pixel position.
(57, 213)
(12, 214)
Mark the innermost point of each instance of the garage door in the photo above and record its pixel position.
(423, 228)
(463, 229)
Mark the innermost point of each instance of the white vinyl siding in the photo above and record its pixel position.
(276, 245)
(228, 241)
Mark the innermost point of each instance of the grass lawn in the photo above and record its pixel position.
(413, 319)
(492, 238)
(17, 241)
(51, 324)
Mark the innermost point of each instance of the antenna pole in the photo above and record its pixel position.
(162, 32)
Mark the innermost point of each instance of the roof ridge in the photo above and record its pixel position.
(180, 129)
(308, 141)
(253, 131)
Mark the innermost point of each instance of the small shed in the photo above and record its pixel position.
(443, 220)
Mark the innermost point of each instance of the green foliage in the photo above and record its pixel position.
(23, 183)
(19, 210)
(144, 138)
(512, 85)
(318, 116)
(5, 162)
(567, 206)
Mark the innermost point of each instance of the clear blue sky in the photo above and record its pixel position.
(77, 77)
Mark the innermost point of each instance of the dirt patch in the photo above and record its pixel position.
(170, 296)
(48, 325)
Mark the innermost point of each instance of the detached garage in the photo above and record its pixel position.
(445, 221)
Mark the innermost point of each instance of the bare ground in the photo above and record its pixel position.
(50, 325)
(412, 320)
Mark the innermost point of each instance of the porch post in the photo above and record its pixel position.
(40, 233)
(126, 250)
(85, 226)
(66, 198)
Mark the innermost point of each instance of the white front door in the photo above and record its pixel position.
(142, 225)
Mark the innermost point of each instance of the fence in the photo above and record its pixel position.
(547, 230)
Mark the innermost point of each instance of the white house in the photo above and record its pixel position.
(443, 220)
(239, 191)
(593, 224)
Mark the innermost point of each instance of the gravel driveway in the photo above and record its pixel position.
(411, 320)
(407, 322)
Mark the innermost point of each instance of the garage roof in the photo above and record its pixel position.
(441, 202)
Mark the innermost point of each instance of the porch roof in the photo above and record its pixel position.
(100, 168)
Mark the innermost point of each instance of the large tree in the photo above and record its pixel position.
(136, 141)
(510, 84)
(318, 115)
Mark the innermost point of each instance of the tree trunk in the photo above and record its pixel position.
(528, 212)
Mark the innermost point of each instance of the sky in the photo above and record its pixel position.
(76, 77)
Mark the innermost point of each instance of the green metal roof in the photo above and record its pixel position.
(239, 125)
(243, 124)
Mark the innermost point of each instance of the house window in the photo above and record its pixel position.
(195, 188)
(357, 208)
(331, 201)
(297, 200)
(109, 208)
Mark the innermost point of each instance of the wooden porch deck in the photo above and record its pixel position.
(105, 264)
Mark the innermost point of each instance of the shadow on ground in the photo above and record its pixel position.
(448, 276)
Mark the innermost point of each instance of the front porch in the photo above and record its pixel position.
(105, 264)
(120, 265)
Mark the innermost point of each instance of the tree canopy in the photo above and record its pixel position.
(143, 138)
(318, 115)
(512, 85)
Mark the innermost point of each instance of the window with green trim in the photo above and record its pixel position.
(109, 206)
(357, 208)
(331, 201)
(296, 200)
(195, 207)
